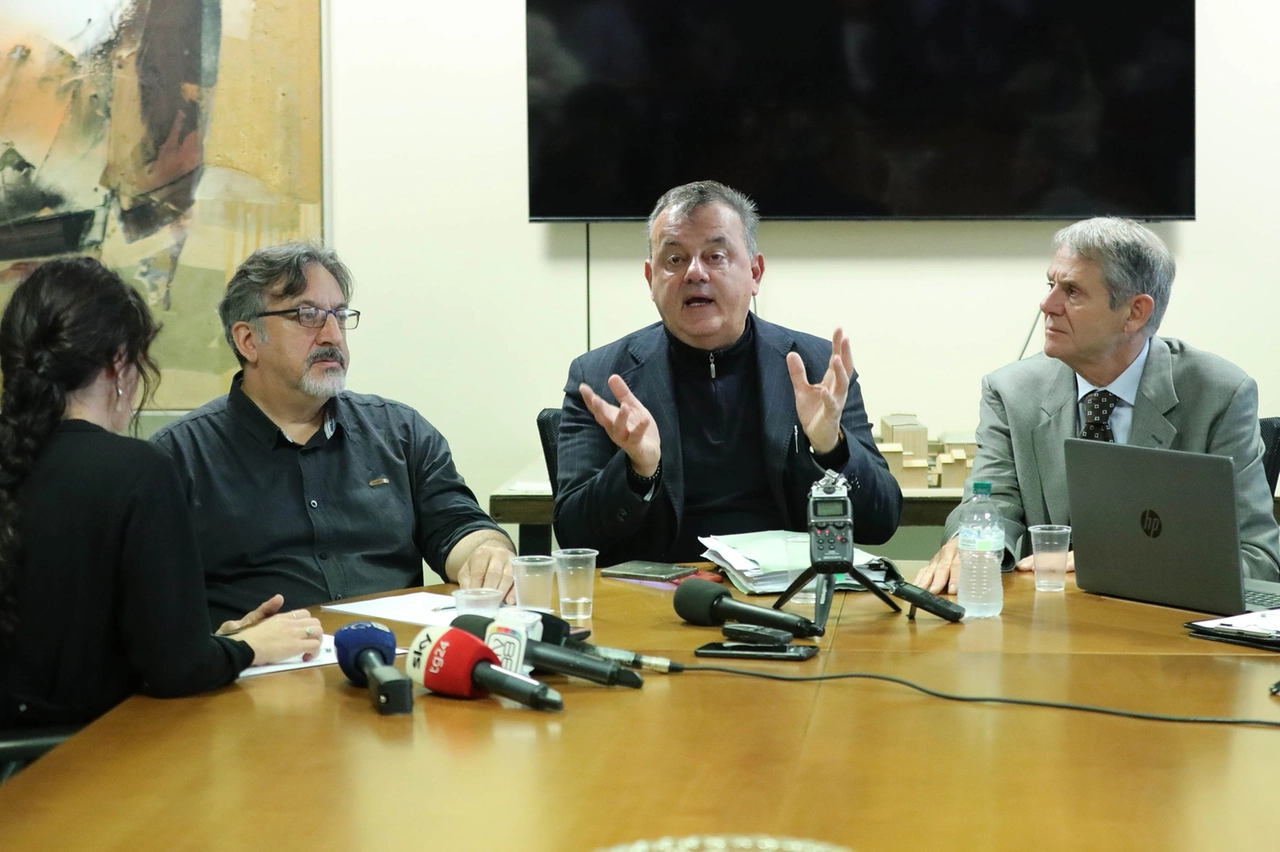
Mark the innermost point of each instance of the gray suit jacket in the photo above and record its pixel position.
(1187, 400)
(595, 506)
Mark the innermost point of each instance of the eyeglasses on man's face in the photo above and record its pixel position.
(309, 316)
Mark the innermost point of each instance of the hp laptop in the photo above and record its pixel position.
(1159, 526)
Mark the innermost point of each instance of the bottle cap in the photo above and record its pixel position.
(981, 487)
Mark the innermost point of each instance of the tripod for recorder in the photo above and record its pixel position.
(831, 552)
(826, 587)
(898, 587)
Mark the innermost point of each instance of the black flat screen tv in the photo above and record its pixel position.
(864, 109)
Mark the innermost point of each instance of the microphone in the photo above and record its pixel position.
(452, 662)
(508, 635)
(927, 601)
(710, 605)
(366, 651)
(551, 658)
(556, 631)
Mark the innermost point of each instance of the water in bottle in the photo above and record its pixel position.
(981, 553)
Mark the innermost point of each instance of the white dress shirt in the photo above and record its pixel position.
(1125, 387)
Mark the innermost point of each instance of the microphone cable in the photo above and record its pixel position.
(984, 699)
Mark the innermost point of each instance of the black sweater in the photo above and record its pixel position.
(110, 591)
(722, 443)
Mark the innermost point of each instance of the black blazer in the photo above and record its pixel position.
(595, 506)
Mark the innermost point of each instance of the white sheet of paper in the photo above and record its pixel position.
(728, 557)
(417, 608)
(1262, 623)
(326, 657)
(530, 487)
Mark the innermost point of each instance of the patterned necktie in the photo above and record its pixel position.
(1098, 406)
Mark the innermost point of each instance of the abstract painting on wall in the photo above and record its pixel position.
(169, 139)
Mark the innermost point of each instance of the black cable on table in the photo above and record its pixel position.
(985, 699)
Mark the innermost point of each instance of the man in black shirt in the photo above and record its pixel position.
(707, 422)
(302, 488)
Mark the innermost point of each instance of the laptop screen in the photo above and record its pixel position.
(1155, 525)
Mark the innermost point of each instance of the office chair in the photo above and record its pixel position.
(20, 747)
(1271, 449)
(549, 432)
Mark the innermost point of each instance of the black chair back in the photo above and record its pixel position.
(20, 747)
(1271, 449)
(549, 432)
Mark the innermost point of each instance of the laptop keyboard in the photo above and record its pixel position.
(1258, 598)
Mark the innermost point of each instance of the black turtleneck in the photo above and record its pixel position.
(717, 395)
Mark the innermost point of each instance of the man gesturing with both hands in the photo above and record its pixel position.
(708, 422)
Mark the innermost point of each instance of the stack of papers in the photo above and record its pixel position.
(758, 564)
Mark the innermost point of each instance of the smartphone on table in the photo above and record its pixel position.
(753, 651)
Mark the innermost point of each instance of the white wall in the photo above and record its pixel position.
(473, 314)
(469, 313)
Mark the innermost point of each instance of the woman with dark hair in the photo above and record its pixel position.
(101, 589)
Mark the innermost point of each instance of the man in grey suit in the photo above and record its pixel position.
(1105, 375)
(711, 421)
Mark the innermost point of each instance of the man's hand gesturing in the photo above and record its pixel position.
(628, 424)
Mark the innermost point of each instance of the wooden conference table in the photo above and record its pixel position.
(300, 760)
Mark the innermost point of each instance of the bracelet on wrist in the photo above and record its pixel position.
(644, 480)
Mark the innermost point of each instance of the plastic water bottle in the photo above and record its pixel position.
(981, 552)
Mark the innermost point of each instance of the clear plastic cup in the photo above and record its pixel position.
(534, 579)
(576, 577)
(1050, 544)
(477, 602)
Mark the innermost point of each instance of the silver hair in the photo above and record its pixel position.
(1133, 260)
(279, 271)
(683, 200)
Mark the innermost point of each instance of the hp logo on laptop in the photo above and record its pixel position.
(1151, 524)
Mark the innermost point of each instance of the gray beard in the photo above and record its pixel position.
(327, 386)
